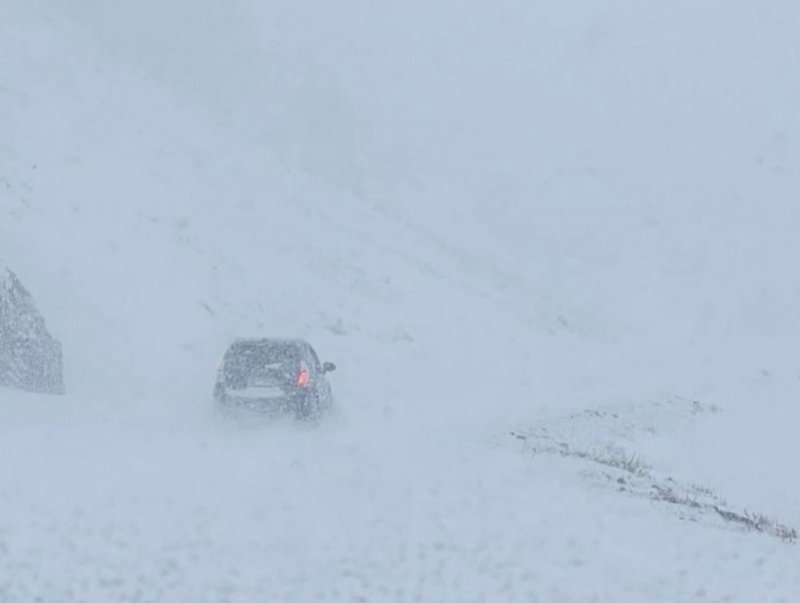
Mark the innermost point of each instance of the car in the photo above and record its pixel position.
(274, 376)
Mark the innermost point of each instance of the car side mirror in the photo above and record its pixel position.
(327, 367)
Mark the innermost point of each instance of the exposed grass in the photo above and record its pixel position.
(611, 457)
(760, 523)
(673, 497)
(704, 490)
(699, 498)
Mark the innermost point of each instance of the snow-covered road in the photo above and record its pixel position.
(132, 505)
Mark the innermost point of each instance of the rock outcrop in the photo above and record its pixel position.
(30, 358)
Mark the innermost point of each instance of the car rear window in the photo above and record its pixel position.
(255, 357)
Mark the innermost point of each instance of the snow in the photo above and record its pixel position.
(522, 219)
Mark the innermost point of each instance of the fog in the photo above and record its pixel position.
(571, 223)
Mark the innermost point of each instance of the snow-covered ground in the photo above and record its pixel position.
(531, 237)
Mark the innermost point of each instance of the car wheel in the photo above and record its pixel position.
(307, 408)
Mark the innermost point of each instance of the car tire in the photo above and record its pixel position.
(307, 408)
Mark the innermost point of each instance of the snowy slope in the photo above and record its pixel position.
(491, 220)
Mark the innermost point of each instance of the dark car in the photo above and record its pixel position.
(281, 376)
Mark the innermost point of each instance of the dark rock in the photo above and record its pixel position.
(30, 358)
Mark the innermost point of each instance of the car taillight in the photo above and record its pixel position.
(303, 377)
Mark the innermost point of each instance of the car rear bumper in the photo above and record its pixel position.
(264, 405)
(299, 404)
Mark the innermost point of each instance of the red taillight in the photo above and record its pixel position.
(303, 377)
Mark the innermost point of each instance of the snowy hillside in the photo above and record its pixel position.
(550, 247)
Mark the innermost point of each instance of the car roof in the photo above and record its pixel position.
(246, 345)
(245, 342)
